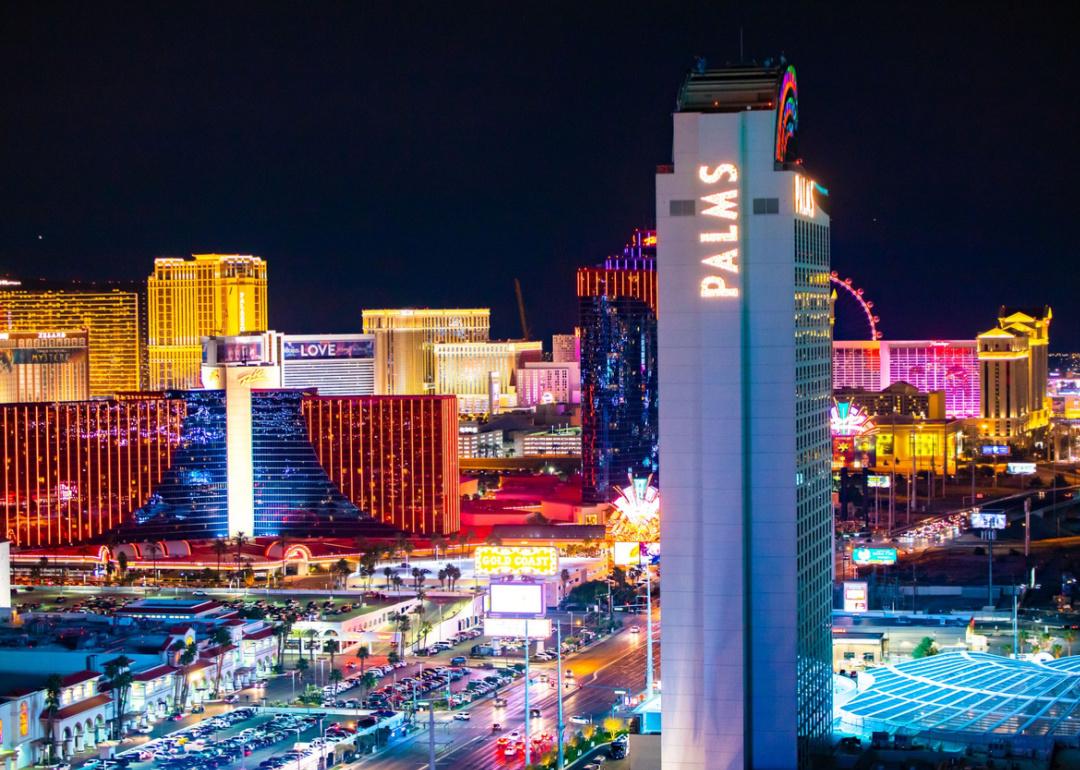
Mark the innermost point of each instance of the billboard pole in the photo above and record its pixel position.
(648, 633)
(560, 727)
(528, 755)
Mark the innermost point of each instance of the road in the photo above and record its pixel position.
(616, 663)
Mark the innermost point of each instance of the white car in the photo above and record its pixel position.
(462, 716)
(580, 719)
(635, 629)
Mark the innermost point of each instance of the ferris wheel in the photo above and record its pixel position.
(872, 319)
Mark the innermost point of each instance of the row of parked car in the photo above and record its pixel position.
(351, 681)
(446, 645)
(196, 749)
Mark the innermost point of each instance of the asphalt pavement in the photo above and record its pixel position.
(618, 662)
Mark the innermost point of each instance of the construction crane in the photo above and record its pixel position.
(521, 311)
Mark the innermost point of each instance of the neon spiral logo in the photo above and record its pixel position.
(787, 117)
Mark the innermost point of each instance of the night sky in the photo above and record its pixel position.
(395, 154)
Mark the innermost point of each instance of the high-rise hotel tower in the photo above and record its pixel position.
(744, 349)
(209, 295)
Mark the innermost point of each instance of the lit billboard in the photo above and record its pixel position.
(240, 350)
(537, 561)
(867, 556)
(877, 481)
(515, 628)
(308, 349)
(516, 598)
(626, 554)
(856, 596)
(995, 450)
(1020, 469)
(987, 520)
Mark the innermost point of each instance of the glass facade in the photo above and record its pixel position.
(74, 471)
(292, 491)
(619, 419)
(814, 522)
(192, 498)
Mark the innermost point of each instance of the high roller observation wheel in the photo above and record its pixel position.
(867, 305)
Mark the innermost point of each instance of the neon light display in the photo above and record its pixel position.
(538, 561)
(866, 305)
(637, 513)
(846, 418)
(723, 205)
(787, 118)
(804, 196)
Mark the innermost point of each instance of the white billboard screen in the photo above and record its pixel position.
(516, 598)
(1020, 469)
(987, 520)
(514, 628)
(856, 596)
(626, 554)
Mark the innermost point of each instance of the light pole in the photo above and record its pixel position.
(648, 634)
(559, 722)
(431, 736)
(528, 753)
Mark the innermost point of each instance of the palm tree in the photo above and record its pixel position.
(189, 655)
(362, 654)
(335, 677)
(1069, 635)
(155, 550)
(564, 578)
(301, 665)
(311, 635)
(424, 630)
(239, 540)
(397, 580)
(221, 547)
(393, 658)
(442, 577)
(119, 678)
(221, 639)
(333, 647)
(1056, 650)
(368, 681)
(399, 545)
(280, 632)
(53, 684)
(401, 620)
(122, 565)
(453, 574)
(342, 570)
(438, 543)
(389, 573)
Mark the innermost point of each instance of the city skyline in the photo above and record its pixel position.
(257, 166)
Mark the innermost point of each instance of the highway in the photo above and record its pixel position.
(616, 663)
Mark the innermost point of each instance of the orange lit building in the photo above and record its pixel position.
(394, 457)
(72, 471)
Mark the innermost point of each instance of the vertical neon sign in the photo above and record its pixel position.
(722, 205)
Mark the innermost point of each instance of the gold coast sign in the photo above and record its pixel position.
(723, 206)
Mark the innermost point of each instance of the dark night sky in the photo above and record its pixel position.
(412, 154)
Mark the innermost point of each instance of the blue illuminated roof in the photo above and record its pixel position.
(971, 692)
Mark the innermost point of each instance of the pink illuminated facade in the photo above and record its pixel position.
(948, 365)
(547, 382)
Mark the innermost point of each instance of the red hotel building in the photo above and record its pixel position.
(72, 471)
(394, 457)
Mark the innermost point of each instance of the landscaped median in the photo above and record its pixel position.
(583, 745)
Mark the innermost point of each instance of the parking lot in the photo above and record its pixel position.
(243, 737)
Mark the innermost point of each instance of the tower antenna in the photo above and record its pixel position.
(741, 58)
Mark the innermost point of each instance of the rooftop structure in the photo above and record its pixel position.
(970, 697)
